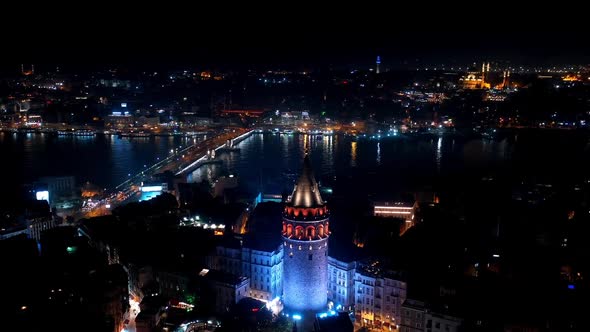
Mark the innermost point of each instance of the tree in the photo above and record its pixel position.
(281, 324)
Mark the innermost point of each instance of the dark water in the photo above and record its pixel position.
(271, 162)
(103, 160)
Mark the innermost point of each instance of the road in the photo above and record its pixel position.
(133, 311)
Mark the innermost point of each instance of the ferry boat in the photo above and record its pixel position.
(65, 132)
(84, 133)
(78, 132)
(141, 134)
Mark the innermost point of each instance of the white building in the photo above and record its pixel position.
(379, 296)
(258, 258)
(341, 283)
(264, 266)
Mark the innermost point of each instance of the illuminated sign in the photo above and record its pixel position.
(42, 195)
(123, 104)
(151, 188)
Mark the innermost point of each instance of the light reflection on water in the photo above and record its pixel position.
(103, 160)
(272, 162)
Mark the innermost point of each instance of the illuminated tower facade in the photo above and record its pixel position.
(377, 65)
(305, 235)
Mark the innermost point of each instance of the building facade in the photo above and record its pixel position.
(412, 316)
(228, 258)
(341, 283)
(418, 316)
(265, 270)
(38, 225)
(227, 288)
(305, 233)
(404, 210)
(59, 187)
(379, 297)
(260, 261)
(437, 322)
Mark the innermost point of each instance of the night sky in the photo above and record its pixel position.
(302, 35)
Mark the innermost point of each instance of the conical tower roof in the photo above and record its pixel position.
(306, 192)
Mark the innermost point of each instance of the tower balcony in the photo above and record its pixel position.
(306, 232)
(305, 213)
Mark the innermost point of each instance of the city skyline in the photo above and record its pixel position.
(299, 172)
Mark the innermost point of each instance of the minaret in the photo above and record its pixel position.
(377, 65)
(305, 235)
(483, 74)
(508, 80)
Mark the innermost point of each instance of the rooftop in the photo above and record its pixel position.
(223, 277)
(306, 192)
(378, 269)
(340, 323)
